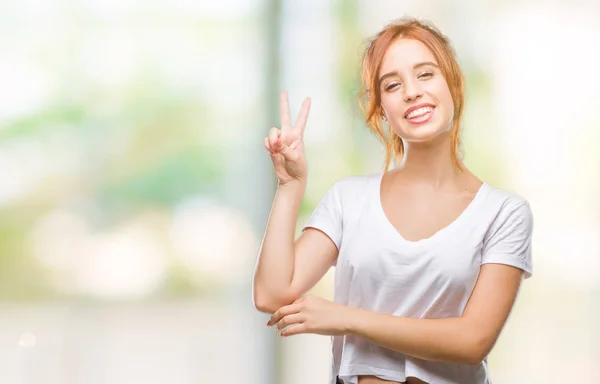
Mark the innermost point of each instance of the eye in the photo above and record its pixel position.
(425, 75)
(391, 86)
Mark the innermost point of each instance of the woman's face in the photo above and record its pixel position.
(415, 96)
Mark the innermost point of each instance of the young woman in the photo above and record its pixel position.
(429, 258)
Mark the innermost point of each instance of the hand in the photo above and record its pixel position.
(312, 314)
(286, 145)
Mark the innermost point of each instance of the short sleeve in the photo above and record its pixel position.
(508, 241)
(327, 216)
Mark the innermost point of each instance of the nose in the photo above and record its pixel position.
(412, 91)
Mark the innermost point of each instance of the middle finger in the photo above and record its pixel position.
(284, 111)
(284, 311)
(289, 320)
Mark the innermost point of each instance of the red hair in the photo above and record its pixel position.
(370, 100)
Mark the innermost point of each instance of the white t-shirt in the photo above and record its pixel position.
(378, 270)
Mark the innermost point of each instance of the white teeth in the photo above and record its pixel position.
(419, 112)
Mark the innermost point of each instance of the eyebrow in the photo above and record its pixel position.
(395, 73)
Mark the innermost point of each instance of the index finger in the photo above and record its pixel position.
(284, 110)
(282, 312)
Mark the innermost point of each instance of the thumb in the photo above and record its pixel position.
(289, 152)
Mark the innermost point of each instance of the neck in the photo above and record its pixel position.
(430, 163)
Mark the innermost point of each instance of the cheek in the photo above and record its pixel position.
(394, 105)
(446, 99)
(390, 104)
(450, 103)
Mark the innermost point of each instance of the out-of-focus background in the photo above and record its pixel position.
(135, 187)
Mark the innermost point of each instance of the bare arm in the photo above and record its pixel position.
(286, 268)
(464, 340)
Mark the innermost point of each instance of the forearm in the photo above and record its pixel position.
(275, 265)
(451, 340)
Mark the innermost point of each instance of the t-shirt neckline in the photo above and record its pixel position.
(437, 235)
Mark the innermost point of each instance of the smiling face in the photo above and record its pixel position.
(415, 96)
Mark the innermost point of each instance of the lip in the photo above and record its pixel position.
(415, 107)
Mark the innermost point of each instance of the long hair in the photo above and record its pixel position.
(370, 97)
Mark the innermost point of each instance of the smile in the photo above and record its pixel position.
(420, 115)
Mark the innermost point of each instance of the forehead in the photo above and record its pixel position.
(403, 54)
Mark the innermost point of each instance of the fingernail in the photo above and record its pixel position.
(269, 323)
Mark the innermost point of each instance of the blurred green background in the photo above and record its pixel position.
(136, 189)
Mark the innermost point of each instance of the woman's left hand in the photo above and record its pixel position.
(312, 314)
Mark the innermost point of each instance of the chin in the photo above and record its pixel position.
(422, 134)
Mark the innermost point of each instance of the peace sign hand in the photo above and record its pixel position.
(286, 145)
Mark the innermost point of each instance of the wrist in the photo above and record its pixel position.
(296, 184)
(354, 320)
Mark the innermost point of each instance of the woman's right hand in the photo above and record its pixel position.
(286, 145)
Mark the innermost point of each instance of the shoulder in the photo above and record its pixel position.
(508, 238)
(357, 182)
(350, 191)
(508, 206)
(505, 198)
(351, 187)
